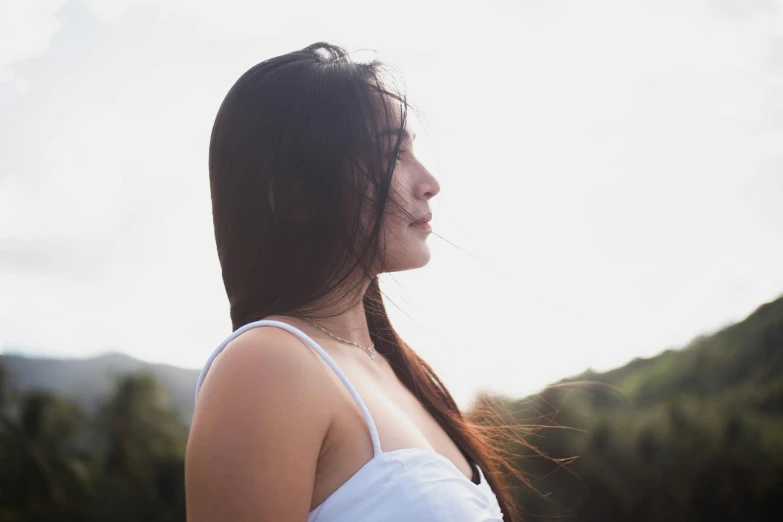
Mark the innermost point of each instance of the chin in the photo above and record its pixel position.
(411, 258)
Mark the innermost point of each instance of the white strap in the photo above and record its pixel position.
(376, 443)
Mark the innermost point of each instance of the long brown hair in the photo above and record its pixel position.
(295, 163)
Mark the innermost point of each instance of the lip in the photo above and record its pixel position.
(423, 223)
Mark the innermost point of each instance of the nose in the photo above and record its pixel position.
(428, 186)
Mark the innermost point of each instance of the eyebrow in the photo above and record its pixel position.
(407, 135)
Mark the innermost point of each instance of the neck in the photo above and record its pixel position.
(343, 315)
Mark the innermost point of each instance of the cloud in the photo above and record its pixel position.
(103, 186)
(26, 29)
(612, 167)
(745, 8)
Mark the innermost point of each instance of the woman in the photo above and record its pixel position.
(314, 408)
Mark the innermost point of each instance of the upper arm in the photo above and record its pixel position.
(257, 431)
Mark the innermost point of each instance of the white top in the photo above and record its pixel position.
(412, 484)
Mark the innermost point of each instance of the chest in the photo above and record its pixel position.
(414, 485)
(401, 420)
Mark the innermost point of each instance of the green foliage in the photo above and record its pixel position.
(689, 435)
(123, 464)
(692, 435)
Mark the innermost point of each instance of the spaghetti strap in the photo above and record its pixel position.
(376, 443)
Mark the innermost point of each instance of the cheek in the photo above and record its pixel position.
(400, 199)
(395, 219)
(395, 238)
(394, 232)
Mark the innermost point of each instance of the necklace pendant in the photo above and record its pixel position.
(369, 349)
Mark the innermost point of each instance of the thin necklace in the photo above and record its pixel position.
(369, 349)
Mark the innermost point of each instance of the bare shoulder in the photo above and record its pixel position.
(260, 421)
(263, 359)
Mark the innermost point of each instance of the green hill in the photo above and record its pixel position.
(742, 358)
(691, 434)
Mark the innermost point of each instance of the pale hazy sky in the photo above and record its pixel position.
(611, 171)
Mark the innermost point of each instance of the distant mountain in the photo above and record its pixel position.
(740, 365)
(88, 381)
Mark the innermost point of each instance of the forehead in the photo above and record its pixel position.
(390, 121)
(389, 110)
(388, 116)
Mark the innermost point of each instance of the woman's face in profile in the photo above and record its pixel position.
(406, 220)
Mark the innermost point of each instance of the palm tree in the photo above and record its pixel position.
(43, 476)
(144, 444)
